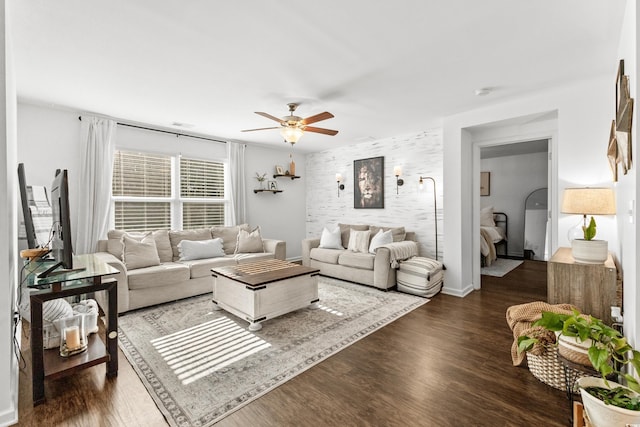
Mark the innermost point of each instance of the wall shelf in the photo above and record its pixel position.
(286, 176)
(261, 190)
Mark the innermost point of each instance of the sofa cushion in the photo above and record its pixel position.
(331, 239)
(257, 256)
(200, 249)
(178, 236)
(229, 236)
(357, 260)
(163, 245)
(202, 267)
(329, 256)
(344, 231)
(398, 233)
(167, 273)
(139, 254)
(249, 242)
(359, 241)
(380, 239)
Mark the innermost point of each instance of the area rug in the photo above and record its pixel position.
(200, 365)
(500, 267)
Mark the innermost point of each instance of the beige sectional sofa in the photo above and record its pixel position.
(164, 265)
(359, 265)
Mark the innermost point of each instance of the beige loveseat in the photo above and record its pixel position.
(177, 270)
(374, 269)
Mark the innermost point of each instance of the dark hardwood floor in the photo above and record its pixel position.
(446, 363)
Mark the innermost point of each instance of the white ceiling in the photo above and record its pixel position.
(382, 68)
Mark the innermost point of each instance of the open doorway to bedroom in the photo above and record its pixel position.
(514, 212)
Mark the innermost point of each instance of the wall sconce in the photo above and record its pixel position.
(397, 171)
(340, 185)
(435, 207)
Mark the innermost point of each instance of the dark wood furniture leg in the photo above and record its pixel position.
(37, 351)
(112, 329)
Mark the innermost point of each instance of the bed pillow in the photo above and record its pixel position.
(331, 239)
(249, 242)
(200, 249)
(380, 239)
(359, 241)
(486, 217)
(139, 254)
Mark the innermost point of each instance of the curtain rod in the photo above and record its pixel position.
(165, 131)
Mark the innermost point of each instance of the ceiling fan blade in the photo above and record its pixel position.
(251, 130)
(269, 116)
(320, 130)
(318, 117)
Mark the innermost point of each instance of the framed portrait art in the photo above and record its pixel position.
(368, 183)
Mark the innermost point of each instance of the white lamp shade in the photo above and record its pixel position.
(589, 201)
(339, 177)
(291, 134)
(397, 170)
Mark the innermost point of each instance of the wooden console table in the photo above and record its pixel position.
(590, 287)
(49, 364)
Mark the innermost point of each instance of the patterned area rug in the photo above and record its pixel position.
(200, 365)
(500, 267)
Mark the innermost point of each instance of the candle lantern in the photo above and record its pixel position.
(73, 338)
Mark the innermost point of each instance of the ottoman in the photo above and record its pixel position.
(420, 276)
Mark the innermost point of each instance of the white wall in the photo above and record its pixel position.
(8, 226)
(512, 179)
(280, 215)
(584, 111)
(418, 155)
(627, 189)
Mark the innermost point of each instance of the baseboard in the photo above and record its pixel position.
(461, 293)
(297, 259)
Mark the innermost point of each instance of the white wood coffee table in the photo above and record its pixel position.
(262, 290)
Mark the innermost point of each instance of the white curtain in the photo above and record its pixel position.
(237, 190)
(94, 188)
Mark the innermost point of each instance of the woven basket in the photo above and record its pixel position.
(574, 351)
(548, 369)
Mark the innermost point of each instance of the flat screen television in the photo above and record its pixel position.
(32, 241)
(61, 246)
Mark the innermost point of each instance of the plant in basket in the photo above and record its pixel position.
(609, 354)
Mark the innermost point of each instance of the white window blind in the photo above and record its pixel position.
(143, 197)
(202, 180)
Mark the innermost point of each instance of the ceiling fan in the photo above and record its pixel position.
(293, 127)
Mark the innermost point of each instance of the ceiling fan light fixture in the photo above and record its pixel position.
(291, 134)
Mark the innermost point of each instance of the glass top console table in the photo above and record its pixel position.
(85, 278)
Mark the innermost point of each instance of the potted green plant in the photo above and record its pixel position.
(588, 249)
(606, 402)
(261, 179)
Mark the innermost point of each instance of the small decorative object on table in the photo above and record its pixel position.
(73, 339)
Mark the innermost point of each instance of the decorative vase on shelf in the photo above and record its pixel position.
(292, 166)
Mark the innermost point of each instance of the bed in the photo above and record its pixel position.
(493, 234)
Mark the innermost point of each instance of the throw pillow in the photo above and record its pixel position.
(179, 235)
(200, 249)
(380, 239)
(331, 239)
(249, 242)
(229, 236)
(486, 217)
(359, 241)
(345, 229)
(139, 254)
(398, 233)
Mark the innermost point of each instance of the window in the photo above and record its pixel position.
(143, 193)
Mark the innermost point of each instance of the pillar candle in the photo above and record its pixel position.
(72, 335)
